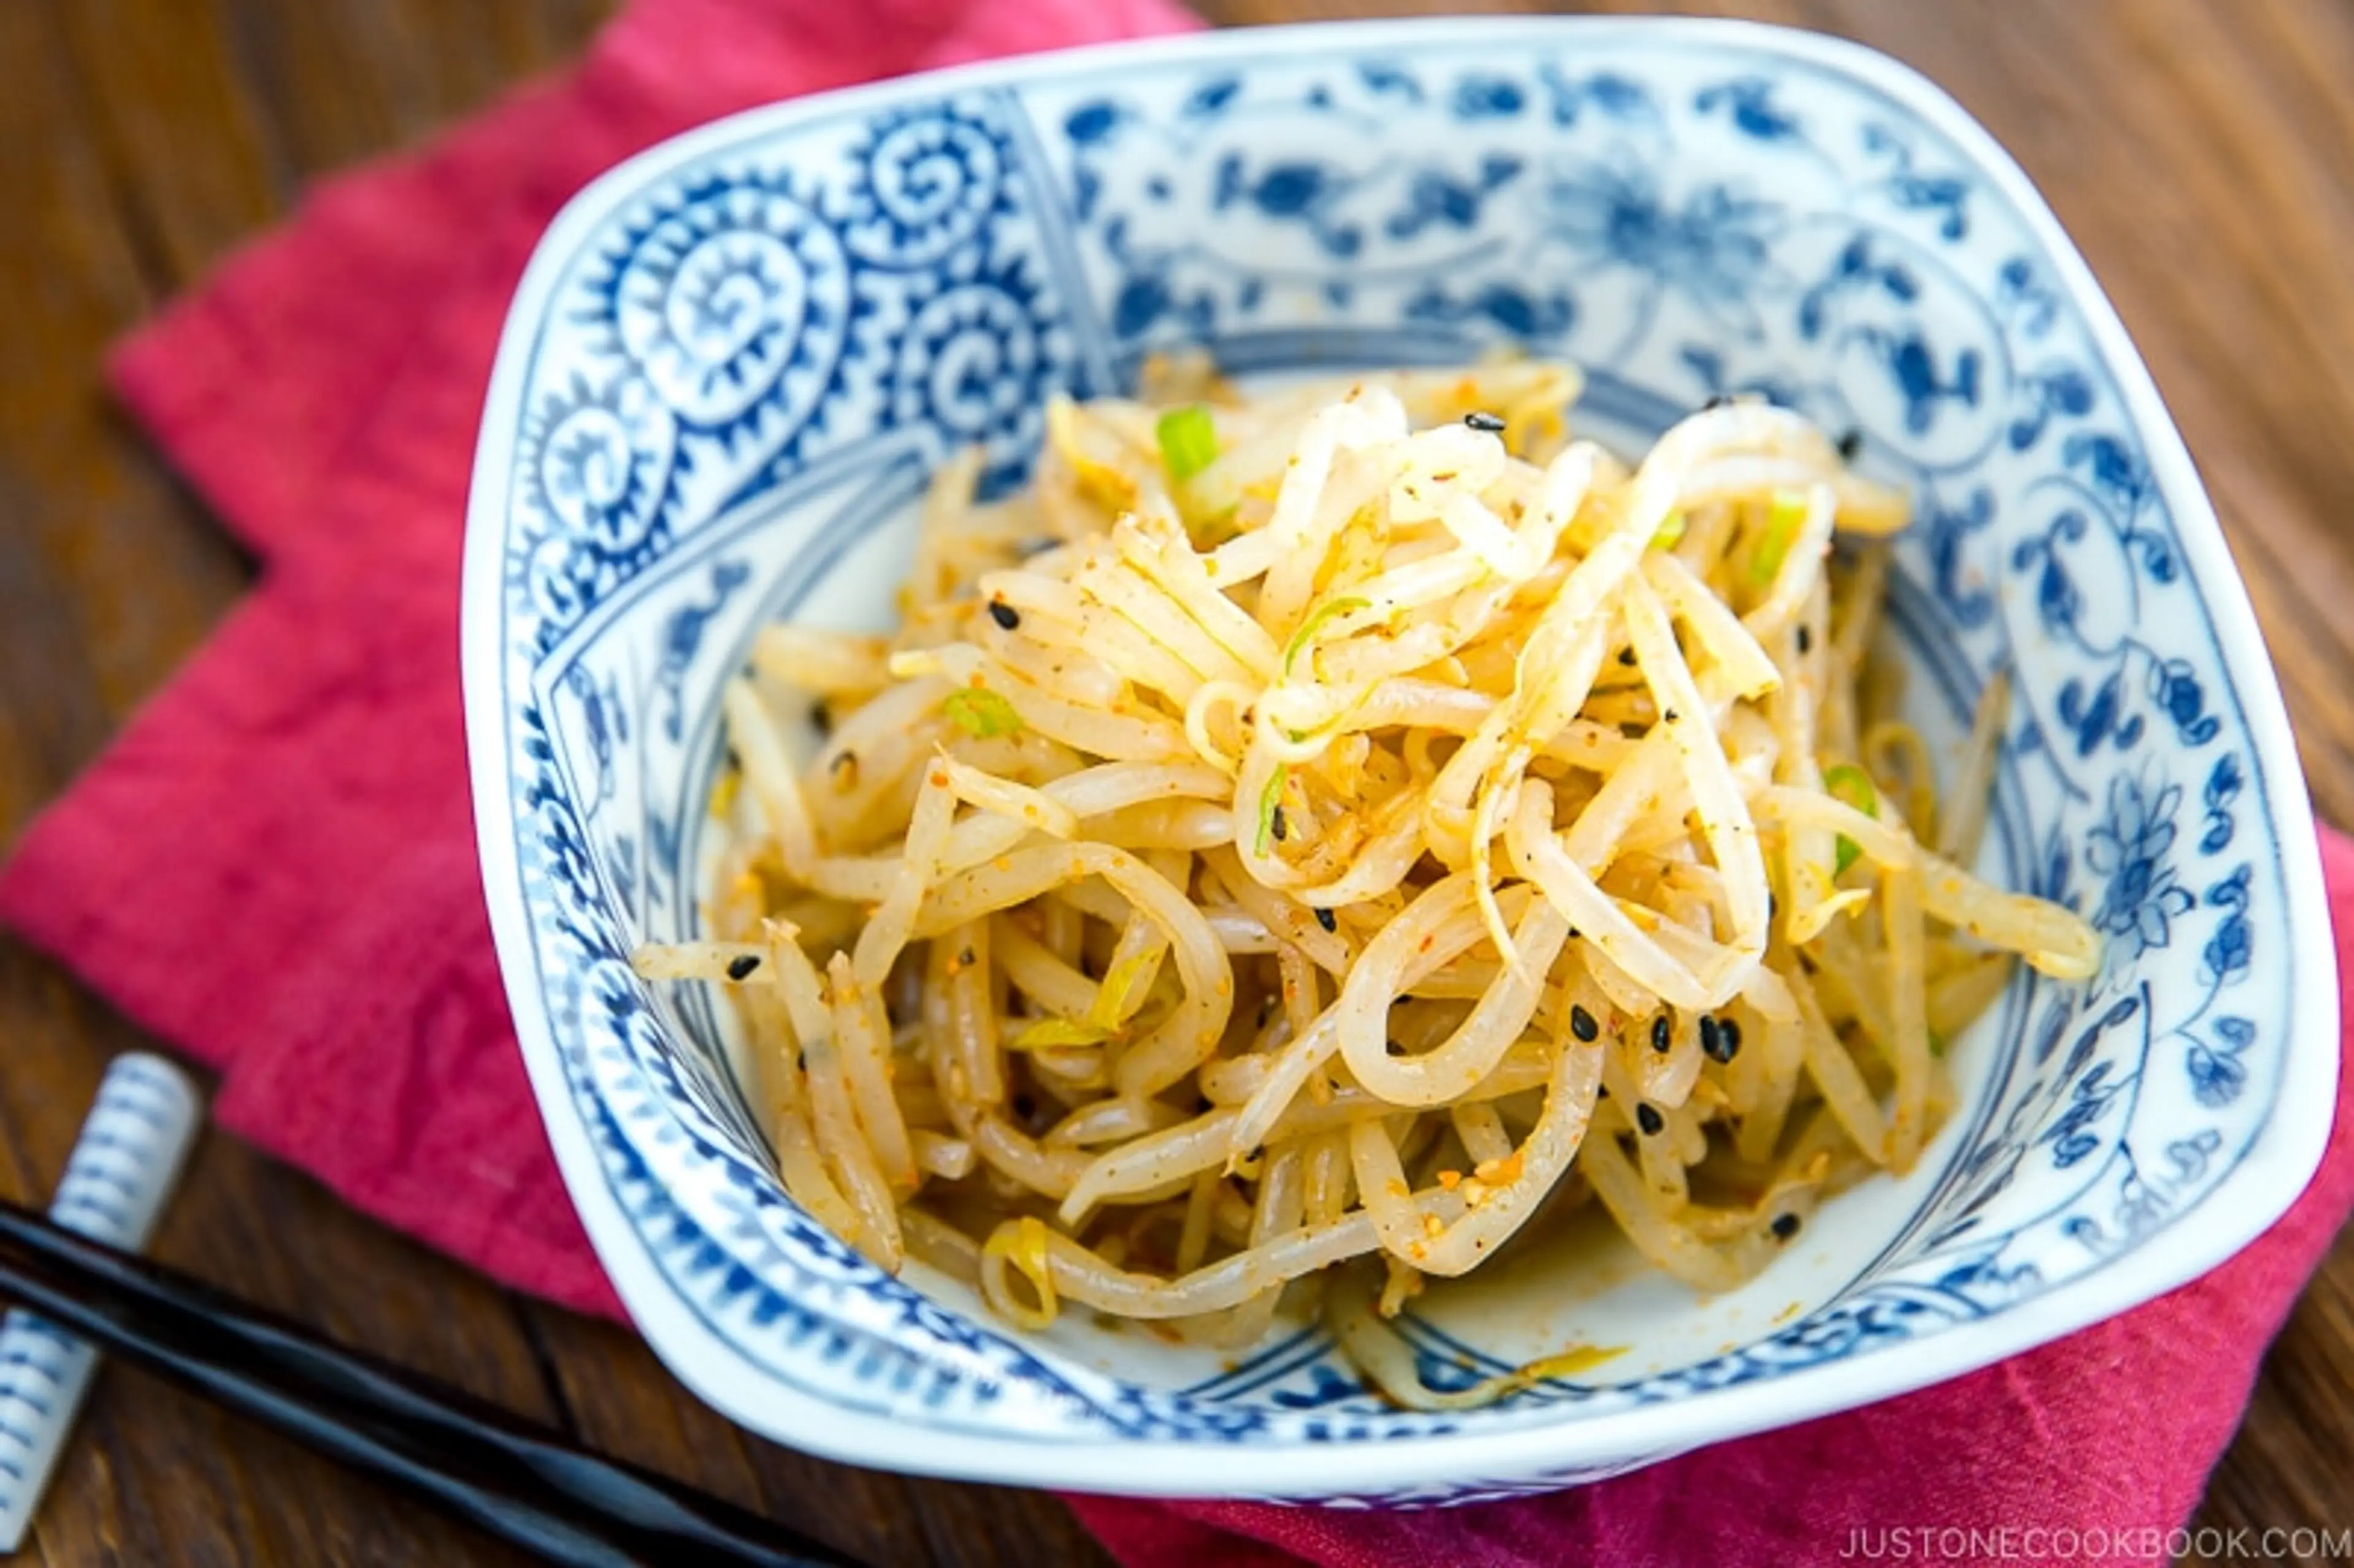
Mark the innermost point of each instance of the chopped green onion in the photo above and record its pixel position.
(1784, 517)
(1207, 533)
(1850, 786)
(1110, 1005)
(1188, 441)
(1332, 610)
(1270, 801)
(1669, 531)
(980, 712)
(1049, 1033)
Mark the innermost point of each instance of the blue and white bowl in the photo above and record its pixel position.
(734, 360)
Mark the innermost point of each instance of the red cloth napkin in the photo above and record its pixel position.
(274, 864)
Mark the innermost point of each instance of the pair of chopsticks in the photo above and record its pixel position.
(513, 1479)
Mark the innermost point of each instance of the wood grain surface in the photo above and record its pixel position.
(2201, 151)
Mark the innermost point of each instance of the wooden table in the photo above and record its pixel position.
(2199, 151)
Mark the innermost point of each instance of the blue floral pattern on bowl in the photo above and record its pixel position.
(734, 358)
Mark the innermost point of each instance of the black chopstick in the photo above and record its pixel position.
(512, 1478)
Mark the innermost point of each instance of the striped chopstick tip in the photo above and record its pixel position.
(123, 1167)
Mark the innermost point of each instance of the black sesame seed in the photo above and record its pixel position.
(1278, 826)
(1480, 419)
(1602, 1093)
(1711, 1038)
(1626, 657)
(1784, 1227)
(1850, 446)
(741, 966)
(1659, 1036)
(1728, 1036)
(801, 1059)
(1806, 637)
(1648, 1118)
(1582, 1024)
(1004, 614)
(967, 958)
(1719, 401)
(735, 761)
(1671, 715)
(1326, 918)
(821, 717)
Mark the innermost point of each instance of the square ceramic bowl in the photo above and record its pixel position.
(735, 359)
